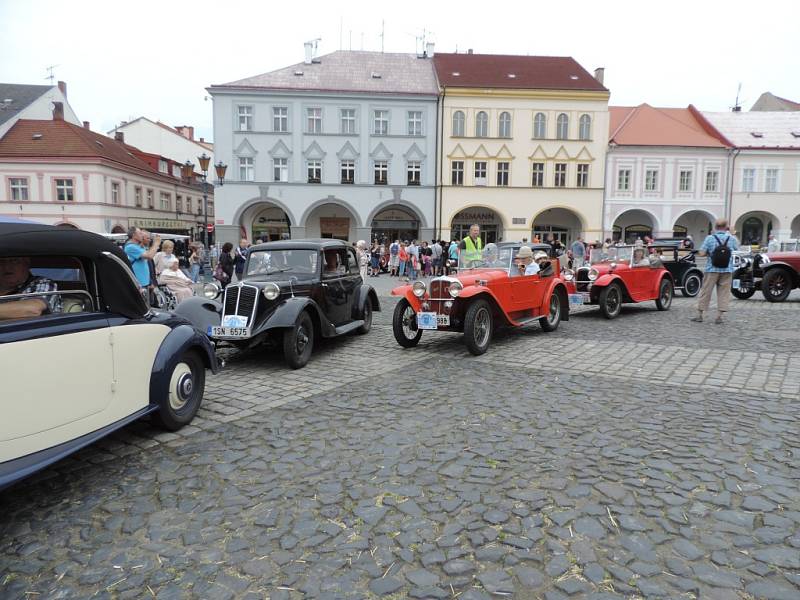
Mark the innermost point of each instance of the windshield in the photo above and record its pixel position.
(613, 254)
(272, 262)
(491, 257)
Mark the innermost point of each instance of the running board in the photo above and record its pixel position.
(526, 320)
(342, 329)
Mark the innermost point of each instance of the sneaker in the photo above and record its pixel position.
(719, 320)
(697, 319)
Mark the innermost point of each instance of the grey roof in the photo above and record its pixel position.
(775, 128)
(21, 96)
(350, 71)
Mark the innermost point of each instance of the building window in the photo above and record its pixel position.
(314, 120)
(164, 201)
(414, 172)
(280, 119)
(540, 126)
(502, 173)
(137, 197)
(245, 118)
(685, 181)
(348, 120)
(624, 180)
(748, 180)
(114, 193)
(560, 175)
(458, 123)
(188, 204)
(585, 127)
(247, 170)
(176, 171)
(19, 188)
(314, 169)
(150, 199)
(457, 172)
(280, 169)
(179, 204)
(480, 172)
(771, 180)
(583, 176)
(651, 180)
(381, 172)
(163, 167)
(481, 124)
(712, 181)
(65, 190)
(562, 127)
(348, 171)
(415, 122)
(381, 122)
(504, 125)
(538, 175)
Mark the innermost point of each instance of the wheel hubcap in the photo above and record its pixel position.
(409, 323)
(613, 300)
(302, 340)
(181, 386)
(555, 309)
(482, 326)
(778, 285)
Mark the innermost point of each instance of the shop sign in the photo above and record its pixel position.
(157, 223)
(476, 216)
(518, 220)
(335, 226)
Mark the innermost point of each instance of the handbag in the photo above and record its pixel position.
(220, 275)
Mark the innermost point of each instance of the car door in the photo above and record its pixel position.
(526, 292)
(638, 280)
(335, 281)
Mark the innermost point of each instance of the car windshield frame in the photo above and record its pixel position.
(618, 254)
(502, 260)
(277, 263)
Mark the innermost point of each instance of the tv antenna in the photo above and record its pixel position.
(51, 76)
(383, 33)
(736, 106)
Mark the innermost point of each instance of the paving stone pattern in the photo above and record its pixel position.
(644, 457)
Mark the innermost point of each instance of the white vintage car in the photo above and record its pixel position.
(81, 354)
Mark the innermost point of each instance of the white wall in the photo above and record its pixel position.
(151, 137)
(41, 109)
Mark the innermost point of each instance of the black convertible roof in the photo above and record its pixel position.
(304, 244)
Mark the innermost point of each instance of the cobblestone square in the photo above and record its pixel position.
(642, 457)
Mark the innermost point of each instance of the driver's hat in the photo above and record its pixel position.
(539, 255)
(525, 252)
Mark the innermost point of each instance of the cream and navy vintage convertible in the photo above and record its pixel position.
(94, 360)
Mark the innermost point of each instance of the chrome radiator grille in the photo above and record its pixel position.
(241, 301)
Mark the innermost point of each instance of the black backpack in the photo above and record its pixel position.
(721, 255)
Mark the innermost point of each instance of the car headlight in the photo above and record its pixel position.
(568, 274)
(211, 290)
(455, 289)
(271, 291)
(418, 288)
(593, 274)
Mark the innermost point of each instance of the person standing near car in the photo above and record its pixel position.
(239, 258)
(718, 247)
(394, 258)
(139, 257)
(437, 251)
(363, 259)
(224, 271)
(164, 257)
(773, 245)
(471, 246)
(578, 250)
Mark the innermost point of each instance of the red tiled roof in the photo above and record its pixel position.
(513, 72)
(645, 125)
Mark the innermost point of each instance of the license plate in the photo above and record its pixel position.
(234, 321)
(443, 320)
(230, 332)
(576, 299)
(736, 284)
(427, 320)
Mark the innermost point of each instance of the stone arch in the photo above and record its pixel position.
(67, 224)
(408, 207)
(754, 227)
(564, 222)
(237, 216)
(795, 228)
(491, 232)
(571, 209)
(118, 229)
(688, 223)
(332, 200)
(634, 224)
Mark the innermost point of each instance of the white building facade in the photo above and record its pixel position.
(177, 144)
(341, 146)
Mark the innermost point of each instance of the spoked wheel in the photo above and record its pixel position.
(610, 301)
(186, 387)
(691, 286)
(298, 342)
(776, 285)
(404, 325)
(553, 318)
(367, 318)
(478, 327)
(665, 293)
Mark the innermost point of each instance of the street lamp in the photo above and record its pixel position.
(204, 160)
(187, 171)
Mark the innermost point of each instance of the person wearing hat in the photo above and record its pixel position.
(524, 263)
(639, 255)
(490, 258)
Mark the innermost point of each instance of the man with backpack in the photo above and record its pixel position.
(718, 247)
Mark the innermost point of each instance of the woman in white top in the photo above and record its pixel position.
(177, 281)
(163, 258)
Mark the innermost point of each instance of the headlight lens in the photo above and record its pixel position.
(568, 274)
(418, 289)
(271, 291)
(593, 274)
(211, 290)
(455, 289)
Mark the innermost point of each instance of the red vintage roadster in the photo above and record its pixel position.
(485, 294)
(621, 274)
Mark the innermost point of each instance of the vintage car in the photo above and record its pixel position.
(292, 292)
(82, 354)
(486, 294)
(681, 264)
(776, 274)
(619, 275)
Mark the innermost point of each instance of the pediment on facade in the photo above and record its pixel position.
(348, 152)
(314, 152)
(539, 153)
(584, 155)
(414, 153)
(380, 152)
(481, 152)
(504, 152)
(562, 154)
(245, 149)
(280, 150)
(458, 152)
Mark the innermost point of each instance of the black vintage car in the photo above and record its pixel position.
(776, 274)
(680, 262)
(292, 292)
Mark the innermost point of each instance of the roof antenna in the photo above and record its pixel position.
(51, 75)
(736, 106)
(383, 33)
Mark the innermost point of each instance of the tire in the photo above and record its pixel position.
(404, 325)
(776, 285)
(298, 342)
(367, 318)
(692, 285)
(478, 327)
(666, 291)
(610, 301)
(551, 321)
(185, 393)
(743, 295)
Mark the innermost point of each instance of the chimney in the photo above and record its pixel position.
(58, 111)
(186, 131)
(202, 140)
(86, 125)
(599, 74)
(429, 49)
(62, 85)
(119, 136)
(309, 52)
(469, 51)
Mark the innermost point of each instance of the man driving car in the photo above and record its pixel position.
(523, 263)
(16, 278)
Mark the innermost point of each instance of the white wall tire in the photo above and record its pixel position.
(180, 403)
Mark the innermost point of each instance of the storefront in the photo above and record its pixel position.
(270, 224)
(395, 224)
(563, 224)
(489, 222)
(337, 228)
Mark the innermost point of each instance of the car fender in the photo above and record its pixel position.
(366, 293)
(560, 288)
(665, 275)
(200, 312)
(286, 313)
(182, 338)
(475, 291)
(782, 265)
(692, 271)
(405, 292)
(607, 279)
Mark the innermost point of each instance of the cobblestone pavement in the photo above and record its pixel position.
(643, 457)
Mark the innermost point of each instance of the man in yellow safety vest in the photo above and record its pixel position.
(471, 247)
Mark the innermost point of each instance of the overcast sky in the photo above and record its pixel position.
(122, 60)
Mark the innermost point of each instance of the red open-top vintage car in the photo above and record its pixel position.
(484, 295)
(618, 275)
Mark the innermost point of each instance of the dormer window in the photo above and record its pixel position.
(757, 134)
(376, 75)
